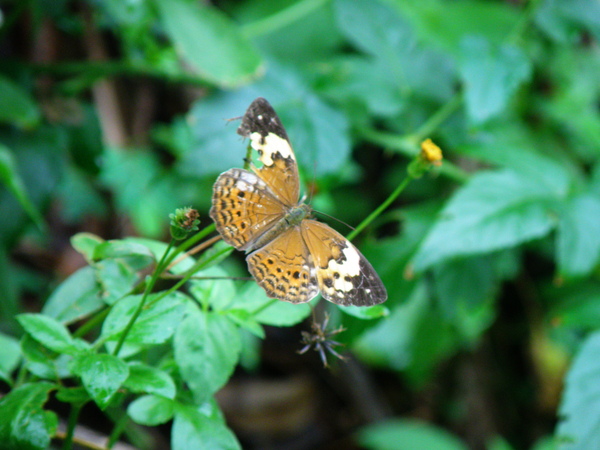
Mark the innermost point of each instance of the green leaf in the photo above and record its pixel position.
(16, 106)
(9, 176)
(10, 355)
(318, 131)
(151, 410)
(39, 155)
(491, 76)
(207, 348)
(578, 243)
(401, 67)
(134, 174)
(143, 378)
(494, 210)
(580, 405)
(210, 42)
(215, 144)
(565, 20)
(159, 248)
(514, 147)
(101, 374)
(214, 255)
(75, 395)
(78, 196)
(576, 305)
(194, 429)
(76, 297)
(245, 320)
(157, 322)
(444, 24)
(382, 31)
(571, 105)
(499, 443)
(368, 313)
(268, 311)
(295, 33)
(116, 279)
(51, 334)
(86, 243)
(123, 249)
(465, 289)
(407, 434)
(216, 290)
(25, 425)
(412, 339)
(44, 362)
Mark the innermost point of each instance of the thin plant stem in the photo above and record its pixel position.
(407, 145)
(92, 323)
(72, 423)
(439, 117)
(264, 306)
(90, 72)
(195, 250)
(117, 431)
(388, 201)
(190, 242)
(138, 311)
(22, 375)
(521, 25)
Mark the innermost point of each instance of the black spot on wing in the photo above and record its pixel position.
(367, 288)
(261, 118)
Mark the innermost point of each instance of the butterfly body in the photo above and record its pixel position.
(291, 256)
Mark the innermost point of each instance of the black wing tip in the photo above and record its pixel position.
(261, 117)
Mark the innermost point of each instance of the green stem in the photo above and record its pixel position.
(408, 146)
(21, 376)
(117, 431)
(388, 201)
(92, 323)
(282, 19)
(189, 243)
(149, 285)
(264, 306)
(439, 117)
(91, 72)
(523, 21)
(73, 419)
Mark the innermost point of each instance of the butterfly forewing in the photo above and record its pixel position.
(243, 207)
(283, 268)
(266, 133)
(344, 275)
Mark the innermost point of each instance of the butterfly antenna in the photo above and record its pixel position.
(336, 219)
(233, 118)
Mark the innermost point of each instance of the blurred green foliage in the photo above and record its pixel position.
(113, 114)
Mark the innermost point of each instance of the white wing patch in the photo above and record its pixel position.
(247, 181)
(269, 145)
(348, 268)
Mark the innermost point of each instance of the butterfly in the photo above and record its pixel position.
(291, 256)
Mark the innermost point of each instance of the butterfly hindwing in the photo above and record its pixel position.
(283, 268)
(344, 275)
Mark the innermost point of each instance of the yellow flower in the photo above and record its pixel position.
(431, 152)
